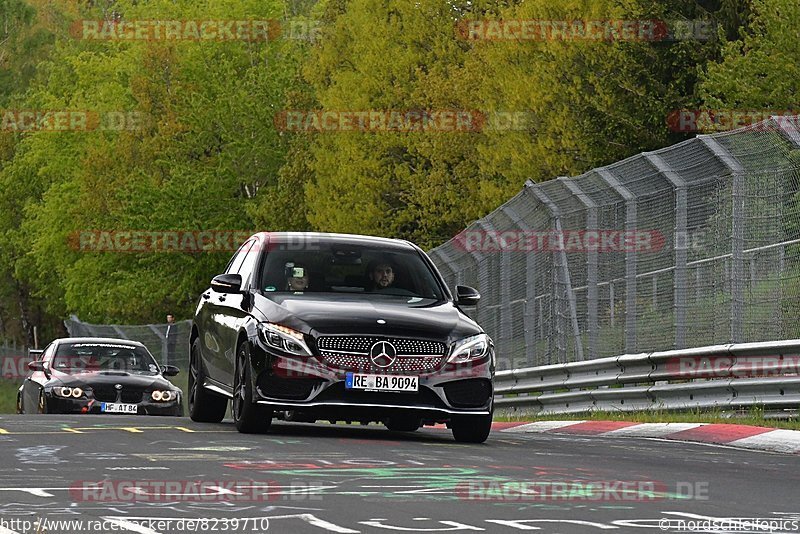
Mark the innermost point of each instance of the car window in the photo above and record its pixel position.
(47, 353)
(97, 356)
(345, 268)
(248, 264)
(238, 258)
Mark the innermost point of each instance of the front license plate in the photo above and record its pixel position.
(115, 407)
(381, 382)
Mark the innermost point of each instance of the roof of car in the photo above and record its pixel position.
(98, 340)
(282, 237)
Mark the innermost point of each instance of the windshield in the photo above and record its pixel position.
(346, 268)
(88, 357)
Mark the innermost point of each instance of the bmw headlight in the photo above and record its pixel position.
(469, 349)
(67, 392)
(284, 339)
(163, 396)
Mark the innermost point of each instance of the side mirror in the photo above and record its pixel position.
(169, 370)
(39, 365)
(227, 283)
(467, 296)
(36, 354)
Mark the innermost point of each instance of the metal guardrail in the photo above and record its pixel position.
(733, 376)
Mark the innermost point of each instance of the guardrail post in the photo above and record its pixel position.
(680, 281)
(630, 258)
(591, 264)
(562, 267)
(737, 234)
(529, 312)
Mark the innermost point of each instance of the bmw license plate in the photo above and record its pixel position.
(116, 407)
(381, 382)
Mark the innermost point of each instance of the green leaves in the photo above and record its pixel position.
(760, 71)
(204, 147)
(208, 153)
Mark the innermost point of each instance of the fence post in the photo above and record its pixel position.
(737, 234)
(655, 292)
(453, 266)
(591, 264)
(504, 300)
(483, 282)
(790, 132)
(681, 245)
(611, 301)
(164, 347)
(630, 258)
(562, 267)
(529, 313)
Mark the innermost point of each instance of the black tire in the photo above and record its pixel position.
(249, 417)
(471, 428)
(204, 406)
(403, 423)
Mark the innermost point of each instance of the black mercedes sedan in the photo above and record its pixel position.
(98, 375)
(339, 327)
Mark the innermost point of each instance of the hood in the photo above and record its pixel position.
(356, 314)
(88, 379)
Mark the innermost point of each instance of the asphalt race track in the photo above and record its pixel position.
(148, 474)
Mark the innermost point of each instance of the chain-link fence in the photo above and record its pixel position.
(13, 360)
(691, 245)
(168, 343)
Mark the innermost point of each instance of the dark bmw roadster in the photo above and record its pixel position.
(339, 327)
(98, 375)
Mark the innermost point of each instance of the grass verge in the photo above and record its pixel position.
(8, 395)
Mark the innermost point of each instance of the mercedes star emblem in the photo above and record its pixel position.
(383, 354)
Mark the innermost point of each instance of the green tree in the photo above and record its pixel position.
(760, 69)
(198, 161)
(591, 102)
(377, 55)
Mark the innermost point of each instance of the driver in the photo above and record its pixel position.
(381, 274)
(297, 277)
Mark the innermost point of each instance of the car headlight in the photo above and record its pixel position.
(284, 339)
(163, 395)
(469, 349)
(67, 392)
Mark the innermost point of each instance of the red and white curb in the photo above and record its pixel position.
(743, 436)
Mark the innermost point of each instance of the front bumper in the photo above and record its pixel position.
(56, 404)
(309, 385)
